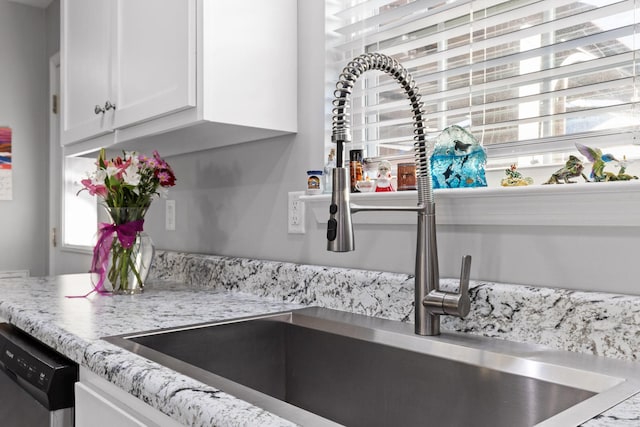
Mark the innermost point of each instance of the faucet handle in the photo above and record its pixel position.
(465, 272)
(459, 304)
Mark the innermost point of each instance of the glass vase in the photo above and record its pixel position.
(129, 266)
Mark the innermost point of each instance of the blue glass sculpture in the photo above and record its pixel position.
(458, 160)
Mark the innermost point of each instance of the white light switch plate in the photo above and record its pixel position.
(170, 215)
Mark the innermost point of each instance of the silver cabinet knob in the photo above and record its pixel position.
(107, 106)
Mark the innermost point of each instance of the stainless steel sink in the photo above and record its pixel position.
(321, 367)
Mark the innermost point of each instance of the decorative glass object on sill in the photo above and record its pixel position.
(599, 161)
(328, 171)
(514, 178)
(458, 160)
(572, 168)
(622, 174)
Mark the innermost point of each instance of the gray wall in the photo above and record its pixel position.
(23, 107)
(232, 201)
(53, 28)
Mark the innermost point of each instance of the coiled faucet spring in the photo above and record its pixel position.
(341, 128)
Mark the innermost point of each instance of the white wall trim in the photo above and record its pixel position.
(10, 274)
(583, 204)
(43, 4)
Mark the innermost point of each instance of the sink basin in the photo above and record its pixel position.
(324, 367)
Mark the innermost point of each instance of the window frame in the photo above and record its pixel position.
(71, 195)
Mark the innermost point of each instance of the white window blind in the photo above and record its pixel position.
(524, 76)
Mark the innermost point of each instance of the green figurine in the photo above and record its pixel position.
(621, 175)
(515, 178)
(571, 169)
(598, 159)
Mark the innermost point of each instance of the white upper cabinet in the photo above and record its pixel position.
(176, 75)
(154, 70)
(86, 76)
(125, 61)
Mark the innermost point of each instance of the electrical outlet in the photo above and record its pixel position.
(296, 213)
(170, 215)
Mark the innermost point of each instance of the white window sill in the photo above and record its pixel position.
(78, 249)
(581, 204)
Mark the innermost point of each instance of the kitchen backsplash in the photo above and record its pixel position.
(589, 322)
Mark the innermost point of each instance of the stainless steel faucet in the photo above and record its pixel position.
(430, 301)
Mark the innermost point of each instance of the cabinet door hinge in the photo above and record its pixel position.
(54, 237)
(54, 104)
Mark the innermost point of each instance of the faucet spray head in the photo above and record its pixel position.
(340, 227)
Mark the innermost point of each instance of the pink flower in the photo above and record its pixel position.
(129, 180)
(161, 162)
(118, 162)
(152, 163)
(125, 170)
(98, 189)
(166, 177)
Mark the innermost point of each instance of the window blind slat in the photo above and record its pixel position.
(595, 109)
(387, 32)
(390, 15)
(563, 72)
(619, 8)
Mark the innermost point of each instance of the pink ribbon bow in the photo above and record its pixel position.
(126, 234)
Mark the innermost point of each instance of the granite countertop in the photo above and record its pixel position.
(74, 326)
(210, 288)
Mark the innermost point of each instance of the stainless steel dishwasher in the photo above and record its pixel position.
(36, 382)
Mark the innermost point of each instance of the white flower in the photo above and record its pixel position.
(99, 176)
(163, 192)
(111, 171)
(131, 175)
(135, 159)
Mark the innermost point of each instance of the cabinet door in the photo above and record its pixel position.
(155, 66)
(86, 50)
(99, 403)
(92, 409)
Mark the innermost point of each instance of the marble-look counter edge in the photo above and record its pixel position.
(184, 399)
(502, 311)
